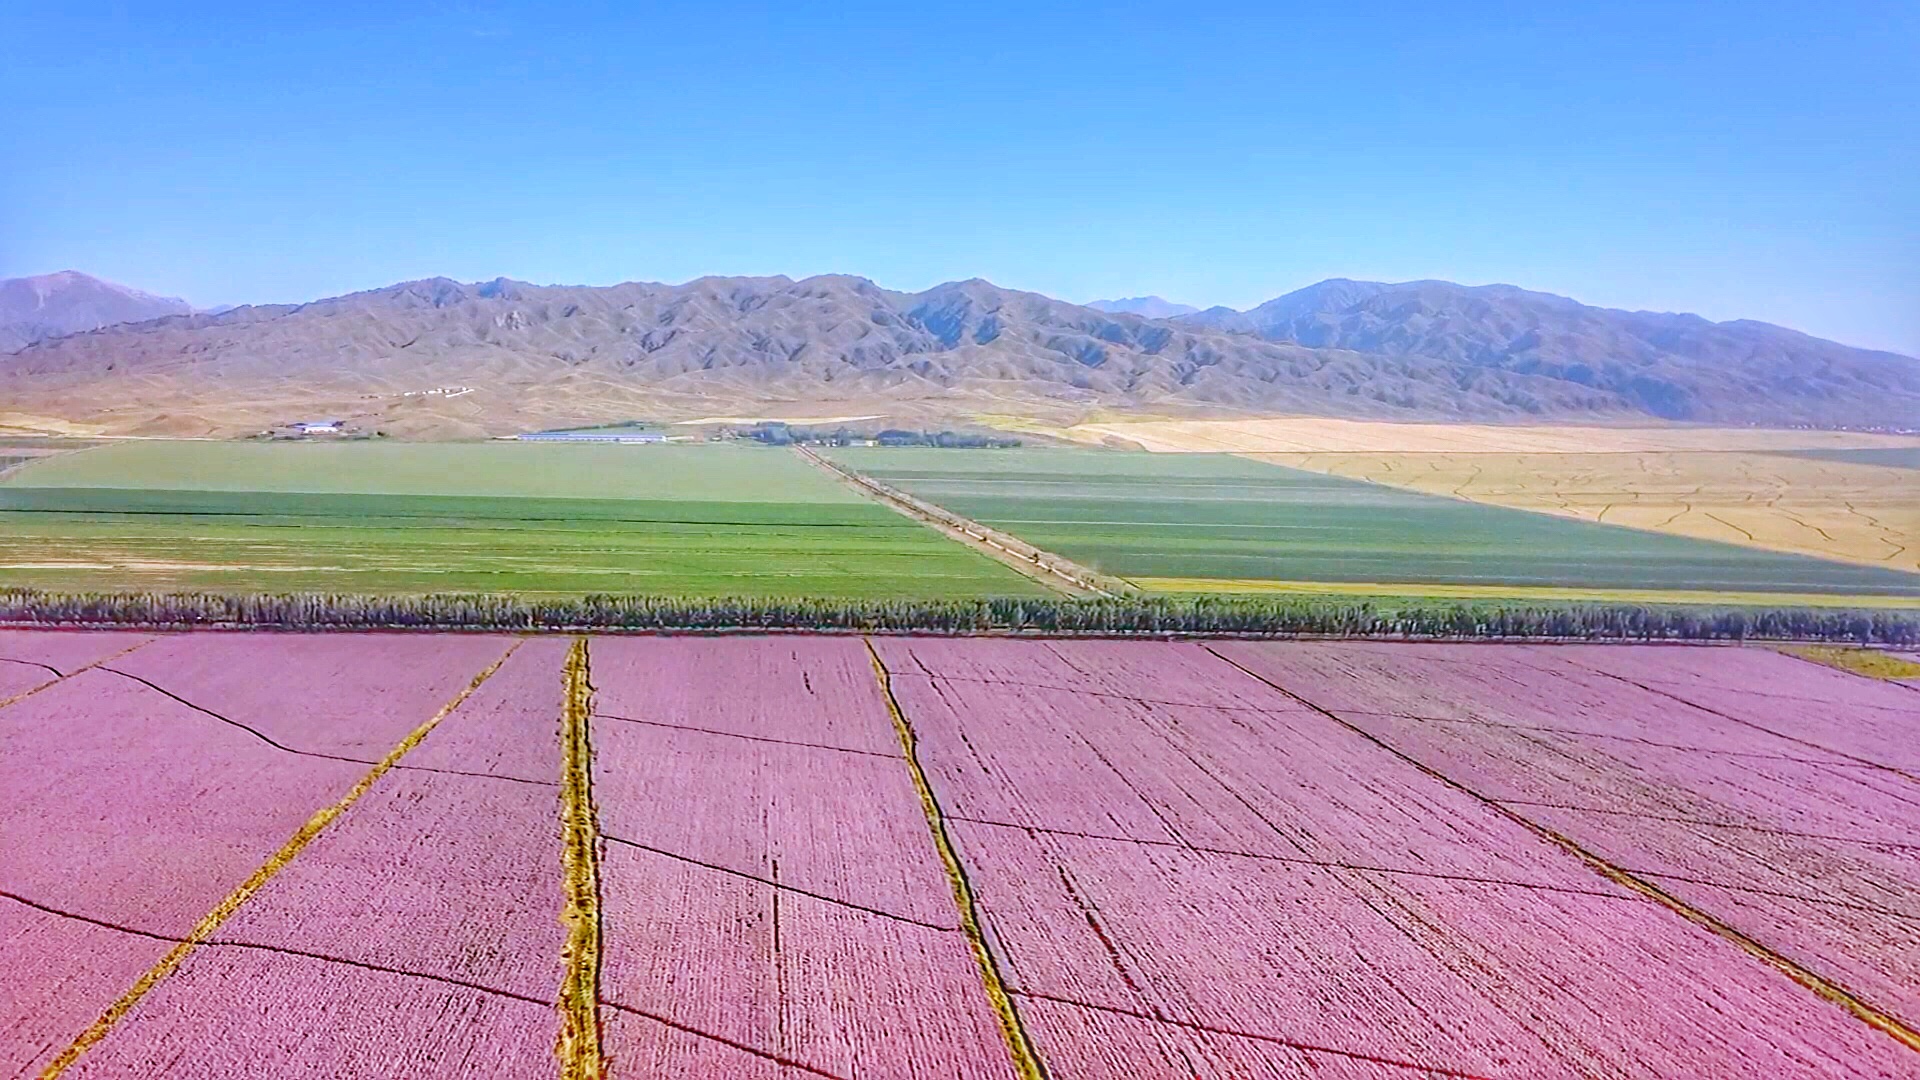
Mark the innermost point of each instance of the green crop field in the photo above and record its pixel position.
(1180, 521)
(535, 519)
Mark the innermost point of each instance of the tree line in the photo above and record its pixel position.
(1126, 616)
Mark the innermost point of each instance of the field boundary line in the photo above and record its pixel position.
(578, 1044)
(1026, 1061)
(1055, 572)
(1292, 1044)
(203, 930)
(50, 683)
(741, 735)
(254, 946)
(1851, 758)
(1826, 989)
(285, 749)
(772, 884)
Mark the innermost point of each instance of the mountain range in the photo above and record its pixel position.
(1151, 307)
(441, 358)
(51, 305)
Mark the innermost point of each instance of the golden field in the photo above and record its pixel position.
(1321, 434)
(1541, 593)
(1706, 483)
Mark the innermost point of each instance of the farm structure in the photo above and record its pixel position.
(1197, 522)
(497, 856)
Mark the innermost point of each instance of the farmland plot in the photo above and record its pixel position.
(33, 659)
(817, 856)
(773, 902)
(1804, 849)
(1185, 522)
(1379, 915)
(364, 956)
(494, 517)
(133, 810)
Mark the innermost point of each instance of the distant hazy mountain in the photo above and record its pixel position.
(1680, 367)
(1151, 307)
(35, 308)
(540, 354)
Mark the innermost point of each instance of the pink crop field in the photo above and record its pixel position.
(374, 856)
(30, 659)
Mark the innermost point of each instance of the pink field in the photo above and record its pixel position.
(383, 905)
(36, 658)
(1311, 860)
(770, 885)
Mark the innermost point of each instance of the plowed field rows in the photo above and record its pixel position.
(396, 856)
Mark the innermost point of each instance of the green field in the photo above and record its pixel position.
(1180, 517)
(536, 519)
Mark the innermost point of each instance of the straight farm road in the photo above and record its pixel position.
(1120, 803)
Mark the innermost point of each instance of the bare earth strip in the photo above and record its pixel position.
(1056, 573)
(1382, 919)
(419, 934)
(1756, 816)
(772, 903)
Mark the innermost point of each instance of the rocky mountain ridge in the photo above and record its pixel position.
(1419, 350)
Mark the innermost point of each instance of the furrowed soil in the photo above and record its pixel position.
(798, 856)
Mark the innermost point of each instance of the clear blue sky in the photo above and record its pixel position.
(1744, 159)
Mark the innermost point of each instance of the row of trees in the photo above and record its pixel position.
(787, 435)
(1144, 616)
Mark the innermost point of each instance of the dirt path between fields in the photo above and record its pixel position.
(1061, 575)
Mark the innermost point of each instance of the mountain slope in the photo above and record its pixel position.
(1148, 307)
(35, 308)
(536, 354)
(1678, 367)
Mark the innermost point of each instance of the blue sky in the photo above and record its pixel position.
(1740, 160)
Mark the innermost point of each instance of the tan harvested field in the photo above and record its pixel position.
(1321, 434)
(1830, 509)
(1547, 593)
(1707, 483)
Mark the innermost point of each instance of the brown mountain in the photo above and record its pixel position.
(35, 308)
(838, 345)
(1680, 367)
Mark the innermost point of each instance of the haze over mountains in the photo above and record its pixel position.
(35, 308)
(536, 355)
(1151, 307)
